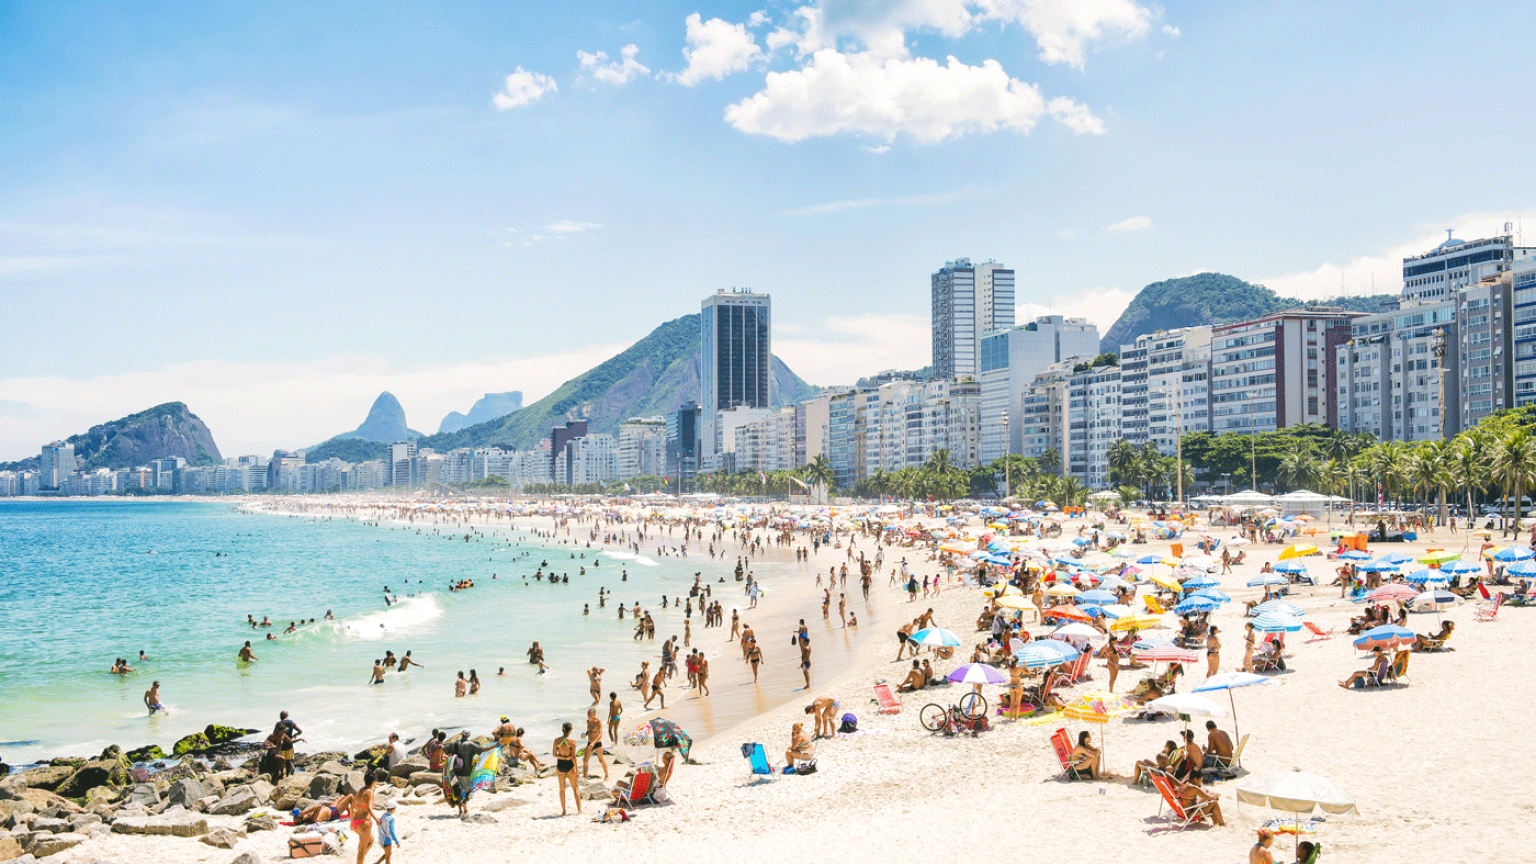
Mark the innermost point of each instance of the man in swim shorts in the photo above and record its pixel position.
(152, 699)
(594, 744)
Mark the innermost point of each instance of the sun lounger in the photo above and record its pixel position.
(1063, 747)
(1320, 633)
(1227, 768)
(639, 791)
(757, 758)
(1488, 613)
(1182, 817)
(1153, 605)
(887, 699)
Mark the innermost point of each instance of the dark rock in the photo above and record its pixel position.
(185, 792)
(5, 769)
(371, 754)
(194, 743)
(260, 823)
(51, 825)
(323, 785)
(217, 735)
(110, 770)
(52, 844)
(71, 761)
(147, 753)
(333, 766)
(144, 795)
(409, 766)
(246, 858)
(425, 778)
(315, 759)
(351, 783)
(49, 777)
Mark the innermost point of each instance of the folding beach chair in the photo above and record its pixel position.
(1316, 631)
(1063, 747)
(639, 791)
(886, 699)
(1488, 613)
(1226, 769)
(757, 759)
(1182, 817)
(1079, 670)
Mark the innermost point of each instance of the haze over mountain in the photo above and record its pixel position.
(488, 407)
(161, 432)
(385, 423)
(1210, 298)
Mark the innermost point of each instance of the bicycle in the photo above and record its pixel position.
(968, 715)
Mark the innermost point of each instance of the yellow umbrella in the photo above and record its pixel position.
(1062, 589)
(1439, 557)
(1091, 708)
(959, 548)
(1015, 601)
(1297, 551)
(1168, 582)
(1138, 622)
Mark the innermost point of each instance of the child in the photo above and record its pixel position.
(387, 838)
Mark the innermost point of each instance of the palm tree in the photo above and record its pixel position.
(1432, 470)
(1123, 463)
(1387, 462)
(940, 462)
(1514, 466)
(818, 472)
(1469, 463)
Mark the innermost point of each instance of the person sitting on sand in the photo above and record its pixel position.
(321, 812)
(1379, 668)
(1192, 796)
(801, 748)
(1086, 757)
(915, 679)
(1424, 643)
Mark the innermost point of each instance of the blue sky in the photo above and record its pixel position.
(273, 211)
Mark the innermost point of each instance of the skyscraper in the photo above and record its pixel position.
(968, 301)
(736, 365)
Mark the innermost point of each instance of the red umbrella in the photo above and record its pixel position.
(1166, 654)
(1071, 613)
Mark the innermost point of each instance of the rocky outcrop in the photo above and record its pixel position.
(385, 423)
(488, 407)
(212, 738)
(174, 824)
(162, 432)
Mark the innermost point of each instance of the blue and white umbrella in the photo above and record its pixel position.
(1149, 559)
(1196, 604)
(1292, 567)
(1434, 600)
(1432, 577)
(1457, 568)
(1274, 623)
(1046, 652)
(1397, 558)
(1202, 581)
(1514, 553)
(1378, 566)
(1524, 569)
(1230, 681)
(1265, 579)
(1115, 610)
(1114, 583)
(1097, 596)
(1214, 593)
(1278, 607)
(1355, 555)
(937, 637)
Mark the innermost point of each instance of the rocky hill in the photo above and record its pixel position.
(1210, 298)
(654, 376)
(488, 407)
(160, 432)
(385, 423)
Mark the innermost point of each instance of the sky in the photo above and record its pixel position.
(274, 211)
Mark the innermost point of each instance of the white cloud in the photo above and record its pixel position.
(878, 149)
(1075, 116)
(885, 96)
(1135, 223)
(523, 88)
(757, 19)
(616, 72)
(904, 201)
(1171, 30)
(840, 350)
(1101, 306)
(569, 226)
(716, 48)
(1382, 272)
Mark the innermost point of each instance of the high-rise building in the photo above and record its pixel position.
(1435, 275)
(1009, 361)
(736, 362)
(1523, 325)
(401, 465)
(1165, 386)
(968, 300)
(1387, 377)
(57, 463)
(642, 448)
(1272, 373)
(683, 445)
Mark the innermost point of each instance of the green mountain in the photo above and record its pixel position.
(1210, 298)
(654, 376)
(347, 450)
(160, 432)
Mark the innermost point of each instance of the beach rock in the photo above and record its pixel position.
(9, 848)
(109, 770)
(82, 822)
(323, 785)
(333, 767)
(263, 789)
(398, 782)
(594, 790)
(352, 782)
(52, 826)
(178, 824)
(25, 859)
(71, 761)
(246, 858)
(144, 795)
(52, 844)
(49, 777)
(409, 766)
(260, 823)
(481, 818)
(4, 769)
(186, 792)
(240, 799)
(217, 735)
(196, 742)
(371, 754)
(291, 790)
(222, 838)
(201, 805)
(425, 778)
(413, 801)
(496, 805)
(426, 790)
(147, 753)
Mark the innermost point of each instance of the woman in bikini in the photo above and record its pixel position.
(362, 816)
(1212, 651)
(565, 767)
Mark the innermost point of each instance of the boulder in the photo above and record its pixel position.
(178, 824)
(333, 767)
(260, 823)
(4, 769)
(222, 838)
(217, 735)
(240, 799)
(110, 770)
(194, 743)
(413, 801)
(71, 761)
(323, 785)
(82, 822)
(496, 805)
(52, 826)
(370, 754)
(425, 778)
(594, 790)
(352, 782)
(10, 848)
(262, 788)
(147, 753)
(290, 790)
(185, 792)
(49, 777)
(246, 858)
(144, 795)
(44, 845)
(409, 766)
(201, 805)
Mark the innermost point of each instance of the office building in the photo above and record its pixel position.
(1009, 361)
(684, 428)
(736, 362)
(1271, 373)
(969, 300)
(1387, 377)
(559, 436)
(57, 463)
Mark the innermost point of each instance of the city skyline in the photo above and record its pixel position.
(277, 230)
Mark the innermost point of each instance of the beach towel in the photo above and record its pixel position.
(482, 776)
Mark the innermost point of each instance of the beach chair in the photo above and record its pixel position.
(1182, 817)
(1316, 631)
(1432, 644)
(886, 699)
(1079, 670)
(1153, 605)
(639, 791)
(1063, 747)
(757, 759)
(1488, 613)
(1400, 666)
(1226, 769)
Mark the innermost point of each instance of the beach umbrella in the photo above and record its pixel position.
(1434, 600)
(1168, 582)
(1015, 601)
(1291, 567)
(1439, 557)
(1188, 704)
(1196, 604)
(1097, 596)
(1428, 576)
(1356, 555)
(1294, 792)
(1114, 583)
(1513, 553)
(1229, 681)
(660, 733)
(1077, 631)
(977, 673)
(1214, 594)
(1138, 622)
(1392, 591)
(1276, 623)
(1202, 581)
(1116, 610)
(936, 637)
(1298, 550)
(1070, 613)
(1386, 636)
(1396, 558)
(1269, 607)
(1456, 568)
(1150, 559)
(1045, 652)
(1265, 579)
(1168, 653)
(1525, 569)
(1061, 589)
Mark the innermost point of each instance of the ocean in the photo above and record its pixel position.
(86, 582)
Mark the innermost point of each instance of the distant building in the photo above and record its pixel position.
(642, 448)
(735, 363)
(401, 464)
(559, 437)
(1434, 276)
(1271, 373)
(1165, 386)
(968, 301)
(57, 463)
(1010, 360)
(1523, 327)
(684, 445)
(1387, 377)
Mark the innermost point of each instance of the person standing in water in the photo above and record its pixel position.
(152, 699)
(245, 653)
(595, 676)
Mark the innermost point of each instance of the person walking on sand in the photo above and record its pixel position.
(362, 815)
(565, 767)
(594, 745)
(755, 658)
(152, 699)
(388, 839)
(661, 678)
(701, 675)
(1212, 651)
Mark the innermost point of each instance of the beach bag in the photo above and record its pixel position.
(307, 844)
(806, 768)
(850, 724)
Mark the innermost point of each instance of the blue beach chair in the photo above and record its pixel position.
(758, 759)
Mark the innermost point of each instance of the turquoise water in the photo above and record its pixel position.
(85, 582)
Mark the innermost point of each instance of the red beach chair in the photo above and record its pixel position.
(1182, 817)
(1320, 633)
(887, 699)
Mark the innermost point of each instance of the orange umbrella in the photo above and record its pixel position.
(1071, 613)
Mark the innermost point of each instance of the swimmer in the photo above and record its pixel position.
(245, 653)
(407, 660)
(152, 699)
(378, 672)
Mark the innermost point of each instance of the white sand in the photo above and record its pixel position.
(1439, 769)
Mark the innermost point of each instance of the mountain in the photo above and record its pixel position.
(385, 423)
(1210, 298)
(489, 407)
(653, 376)
(161, 432)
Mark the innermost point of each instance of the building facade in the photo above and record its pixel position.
(968, 300)
(736, 361)
(1009, 361)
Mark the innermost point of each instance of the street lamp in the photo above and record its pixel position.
(1007, 451)
(1178, 444)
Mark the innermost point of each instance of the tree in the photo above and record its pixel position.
(1514, 466)
(1050, 462)
(1124, 464)
(818, 472)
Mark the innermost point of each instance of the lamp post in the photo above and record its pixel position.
(1007, 452)
(1439, 350)
(1178, 443)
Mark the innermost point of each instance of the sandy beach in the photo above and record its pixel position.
(1435, 766)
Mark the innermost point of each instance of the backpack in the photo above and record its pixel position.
(850, 724)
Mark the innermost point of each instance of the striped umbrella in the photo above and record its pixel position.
(1397, 558)
(1045, 652)
(1196, 604)
(1385, 636)
(1213, 593)
(1378, 566)
(1432, 577)
(1165, 654)
(1070, 613)
(1525, 569)
(1097, 596)
(1265, 579)
(1274, 623)
(1456, 568)
(1392, 591)
(1514, 553)
(1061, 589)
(1203, 581)
(937, 637)
(1292, 567)
(1278, 607)
(977, 673)
(1355, 555)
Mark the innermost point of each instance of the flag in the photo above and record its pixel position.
(666, 482)
(763, 477)
(801, 483)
